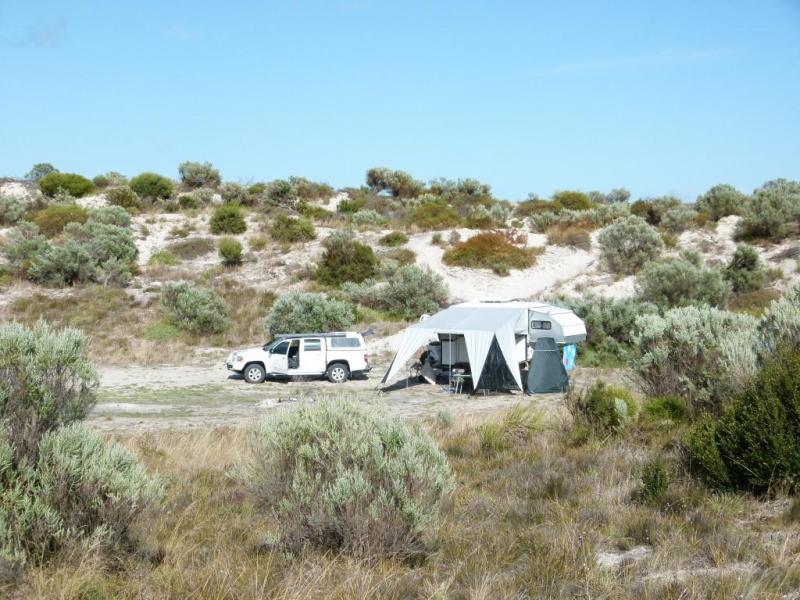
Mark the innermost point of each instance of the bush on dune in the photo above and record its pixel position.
(722, 200)
(745, 271)
(398, 183)
(230, 250)
(432, 213)
(570, 235)
(290, 229)
(298, 312)
(341, 476)
(195, 309)
(196, 174)
(124, 197)
(628, 244)
(345, 259)
(494, 250)
(409, 293)
(11, 210)
(52, 220)
(152, 185)
(772, 213)
(227, 218)
(393, 239)
(682, 281)
(73, 184)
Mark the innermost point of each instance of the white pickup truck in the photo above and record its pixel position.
(336, 355)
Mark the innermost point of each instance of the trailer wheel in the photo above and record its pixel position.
(254, 373)
(337, 373)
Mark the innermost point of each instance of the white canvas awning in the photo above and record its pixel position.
(479, 328)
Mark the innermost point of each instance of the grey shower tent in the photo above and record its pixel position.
(491, 338)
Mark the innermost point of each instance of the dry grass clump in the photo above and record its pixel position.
(576, 236)
(499, 251)
(192, 248)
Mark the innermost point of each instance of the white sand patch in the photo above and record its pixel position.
(93, 201)
(16, 189)
(128, 407)
(333, 202)
(715, 245)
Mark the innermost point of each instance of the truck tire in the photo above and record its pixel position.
(254, 373)
(337, 372)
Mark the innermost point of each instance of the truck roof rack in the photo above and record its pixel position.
(289, 336)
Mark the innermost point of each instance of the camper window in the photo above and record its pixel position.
(541, 324)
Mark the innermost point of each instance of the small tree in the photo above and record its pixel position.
(298, 312)
(39, 170)
(152, 185)
(398, 183)
(682, 281)
(745, 271)
(196, 174)
(627, 244)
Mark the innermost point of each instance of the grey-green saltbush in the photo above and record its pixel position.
(367, 217)
(678, 219)
(780, 324)
(410, 292)
(46, 380)
(681, 281)
(344, 476)
(721, 200)
(701, 353)
(196, 174)
(628, 244)
(11, 210)
(194, 309)
(297, 312)
(773, 212)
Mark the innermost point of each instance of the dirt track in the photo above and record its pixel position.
(187, 397)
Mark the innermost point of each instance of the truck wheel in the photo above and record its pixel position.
(338, 373)
(254, 373)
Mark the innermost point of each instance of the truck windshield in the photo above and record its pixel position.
(270, 345)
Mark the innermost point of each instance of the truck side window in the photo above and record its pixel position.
(541, 324)
(312, 345)
(280, 348)
(344, 342)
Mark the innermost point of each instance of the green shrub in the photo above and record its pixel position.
(397, 257)
(124, 197)
(366, 217)
(341, 476)
(11, 210)
(700, 353)
(109, 179)
(96, 488)
(110, 215)
(39, 170)
(592, 218)
(308, 191)
(753, 446)
(46, 380)
(188, 201)
(627, 244)
(345, 259)
(24, 242)
(653, 210)
(281, 193)
(163, 258)
(257, 243)
(745, 272)
(603, 408)
(75, 185)
(398, 183)
(572, 200)
(683, 281)
(671, 407)
(410, 292)
(393, 239)
(654, 482)
(152, 185)
(534, 206)
(196, 174)
(298, 312)
(773, 213)
(230, 250)
(780, 324)
(290, 230)
(52, 220)
(678, 219)
(194, 309)
(227, 218)
(433, 213)
(720, 201)
(234, 193)
(494, 250)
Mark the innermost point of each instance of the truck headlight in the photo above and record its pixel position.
(239, 358)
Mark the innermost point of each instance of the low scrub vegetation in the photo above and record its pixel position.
(227, 218)
(570, 235)
(393, 239)
(682, 281)
(345, 259)
(196, 174)
(772, 213)
(722, 200)
(152, 186)
(123, 196)
(494, 250)
(289, 230)
(298, 312)
(410, 292)
(70, 183)
(11, 210)
(341, 476)
(602, 408)
(230, 251)
(194, 309)
(52, 220)
(628, 244)
(433, 213)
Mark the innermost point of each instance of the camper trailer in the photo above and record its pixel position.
(489, 342)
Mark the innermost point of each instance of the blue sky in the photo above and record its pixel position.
(659, 96)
